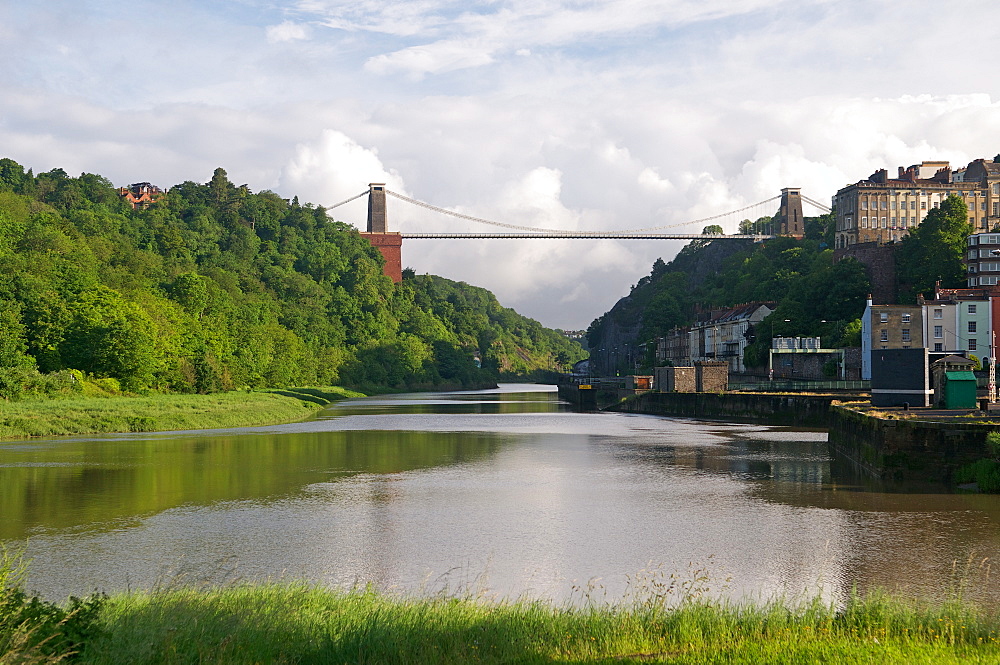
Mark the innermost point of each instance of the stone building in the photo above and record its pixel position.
(883, 209)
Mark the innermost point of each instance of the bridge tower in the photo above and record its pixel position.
(788, 221)
(389, 244)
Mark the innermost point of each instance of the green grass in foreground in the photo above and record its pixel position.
(44, 417)
(296, 623)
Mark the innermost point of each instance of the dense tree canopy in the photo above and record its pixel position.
(216, 287)
(815, 295)
(933, 251)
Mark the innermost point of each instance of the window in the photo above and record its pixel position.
(884, 335)
(864, 205)
(913, 204)
(996, 189)
(906, 318)
(972, 326)
(996, 208)
(972, 344)
(864, 222)
(905, 332)
(892, 205)
(938, 332)
(923, 205)
(884, 222)
(892, 222)
(938, 314)
(881, 205)
(972, 309)
(913, 221)
(883, 317)
(938, 347)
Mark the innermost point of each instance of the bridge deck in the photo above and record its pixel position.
(582, 235)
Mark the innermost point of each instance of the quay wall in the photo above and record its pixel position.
(780, 409)
(905, 450)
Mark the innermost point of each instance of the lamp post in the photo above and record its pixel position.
(991, 386)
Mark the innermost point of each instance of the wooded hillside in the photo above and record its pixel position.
(216, 287)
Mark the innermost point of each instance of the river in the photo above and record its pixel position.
(504, 493)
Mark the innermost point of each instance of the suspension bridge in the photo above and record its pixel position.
(789, 221)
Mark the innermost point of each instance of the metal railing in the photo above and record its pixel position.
(799, 385)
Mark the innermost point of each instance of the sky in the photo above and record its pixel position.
(564, 114)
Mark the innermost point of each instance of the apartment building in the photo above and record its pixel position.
(890, 327)
(958, 321)
(719, 334)
(883, 209)
(965, 317)
(983, 260)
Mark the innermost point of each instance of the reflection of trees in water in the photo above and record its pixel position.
(77, 483)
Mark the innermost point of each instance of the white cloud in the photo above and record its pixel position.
(627, 114)
(333, 169)
(287, 31)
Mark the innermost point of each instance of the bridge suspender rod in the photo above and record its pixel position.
(445, 211)
(534, 229)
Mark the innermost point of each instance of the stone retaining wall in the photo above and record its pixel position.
(905, 450)
(802, 410)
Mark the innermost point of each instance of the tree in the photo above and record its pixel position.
(762, 225)
(933, 251)
(712, 229)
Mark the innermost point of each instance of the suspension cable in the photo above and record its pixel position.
(821, 206)
(337, 205)
(480, 220)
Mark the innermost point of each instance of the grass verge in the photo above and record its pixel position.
(296, 623)
(301, 623)
(155, 413)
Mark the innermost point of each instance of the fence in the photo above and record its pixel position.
(797, 385)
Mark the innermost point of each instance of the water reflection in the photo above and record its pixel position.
(504, 490)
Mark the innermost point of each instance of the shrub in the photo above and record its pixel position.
(35, 630)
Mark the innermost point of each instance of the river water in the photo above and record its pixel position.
(505, 493)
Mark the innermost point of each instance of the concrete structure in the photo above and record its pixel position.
(141, 194)
(388, 244)
(900, 377)
(789, 220)
(882, 209)
(803, 358)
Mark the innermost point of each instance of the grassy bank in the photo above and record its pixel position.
(90, 415)
(301, 624)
